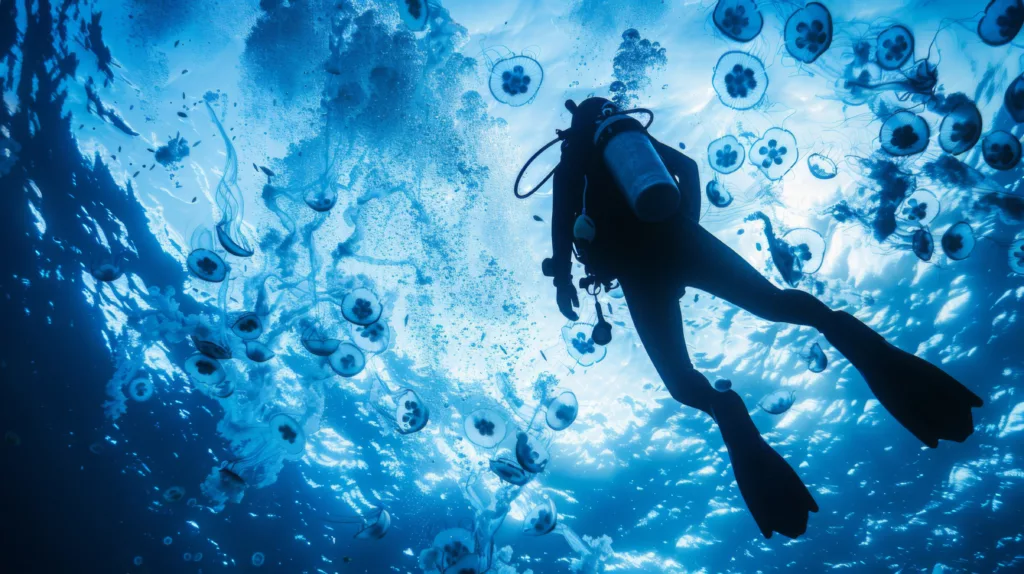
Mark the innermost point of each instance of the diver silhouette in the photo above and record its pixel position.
(628, 206)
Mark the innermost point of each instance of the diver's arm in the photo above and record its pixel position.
(685, 171)
(568, 192)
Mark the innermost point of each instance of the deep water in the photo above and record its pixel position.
(351, 177)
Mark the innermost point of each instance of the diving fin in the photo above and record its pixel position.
(922, 397)
(772, 490)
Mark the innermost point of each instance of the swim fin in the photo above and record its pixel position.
(774, 493)
(922, 397)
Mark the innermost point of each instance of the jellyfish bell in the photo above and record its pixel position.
(717, 194)
(1013, 99)
(247, 327)
(808, 32)
(922, 244)
(485, 428)
(375, 526)
(258, 559)
(204, 371)
(347, 360)
(317, 342)
(958, 241)
(140, 390)
(531, 454)
(373, 338)
(904, 133)
(509, 471)
(107, 268)
(821, 166)
(321, 199)
(738, 19)
(211, 343)
(775, 153)
(412, 414)
(1001, 150)
(857, 85)
(1001, 22)
(562, 411)
(452, 546)
(207, 265)
(361, 307)
(415, 14)
(1016, 256)
(807, 248)
(740, 80)
(581, 346)
(237, 247)
(919, 208)
(258, 352)
(894, 46)
(815, 357)
(777, 402)
(516, 80)
(726, 154)
(469, 564)
(541, 520)
(960, 129)
(174, 494)
(187, 557)
(286, 434)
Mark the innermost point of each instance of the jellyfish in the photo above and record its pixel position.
(739, 80)
(361, 307)
(717, 194)
(562, 411)
(485, 428)
(450, 548)
(797, 253)
(1001, 150)
(137, 561)
(415, 14)
(510, 471)
(403, 410)
(258, 352)
(187, 557)
(960, 129)
(809, 32)
(920, 208)
(168, 540)
(738, 19)
(225, 485)
(541, 519)
(581, 346)
(373, 338)
(347, 360)
(922, 244)
(108, 268)
(777, 402)
(515, 80)
(210, 342)
(317, 342)
(207, 265)
(1016, 256)
(531, 454)
(775, 153)
(821, 166)
(258, 559)
(815, 357)
(174, 494)
(229, 199)
(204, 371)
(726, 154)
(1013, 99)
(904, 133)
(373, 526)
(958, 241)
(1002, 22)
(140, 390)
(321, 199)
(248, 327)
(894, 46)
(197, 557)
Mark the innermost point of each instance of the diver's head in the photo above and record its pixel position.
(589, 114)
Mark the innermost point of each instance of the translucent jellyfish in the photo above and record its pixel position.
(451, 547)
(807, 247)
(531, 454)
(373, 526)
(821, 166)
(361, 307)
(187, 557)
(197, 557)
(258, 352)
(415, 14)
(108, 268)
(229, 244)
(248, 327)
(717, 194)
(211, 343)
(958, 241)
(485, 428)
(1016, 256)
(895, 45)
(207, 265)
(904, 133)
(775, 153)
(1002, 22)
(140, 390)
(581, 346)
(1001, 150)
(562, 411)
(204, 371)
(516, 80)
(510, 471)
(316, 341)
(923, 244)
(809, 32)
(321, 198)
(738, 19)
(815, 357)
(740, 80)
(403, 410)
(174, 494)
(286, 434)
(168, 540)
(541, 519)
(920, 208)
(777, 402)
(137, 561)
(726, 154)
(373, 338)
(1013, 99)
(258, 559)
(960, 129)
(225, 484)
(347, 360)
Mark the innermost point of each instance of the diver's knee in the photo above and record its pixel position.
(691, 388)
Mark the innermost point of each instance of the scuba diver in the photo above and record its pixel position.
(628, 206)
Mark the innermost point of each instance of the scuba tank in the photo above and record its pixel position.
(637, 168)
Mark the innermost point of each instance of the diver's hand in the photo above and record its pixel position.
(567, 299)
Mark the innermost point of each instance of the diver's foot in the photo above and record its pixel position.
(922, 397)
(774, 493)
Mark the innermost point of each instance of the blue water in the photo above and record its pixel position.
(346, 170)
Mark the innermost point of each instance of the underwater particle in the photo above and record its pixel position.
(726, 154)
(904, 133)
(207, 265)
(204, 371)
(247, 327)
(316, 341)
(738, 19)
(894, 46)
(739, 80)
(1002, 22)
(107, 268)
(172, 152)
(562, 411)
(415, 14)
(923, 244)
(137, 561)
(373, 338)
(168, 540)
(809, 32)
(140, 390)
(321, 199)
(174, 494)
(258, 352)
(777, 402)
(531, 454)
(958, 241)
(286, 434)
(412, 413)
(1013, 99)
(717, 194)
(920, 208)
(821, 166)
(816, 359)
(516, 80)
(485, 428)
(960, 129)
(723, 385)
(581, 346)
(1016, 256)
(347, 360)
(12, 438)
(541, 520)
(775, 153)
(1001, 150)
(257, 559)
(375, 526)
(509, 471)
(361, 307)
